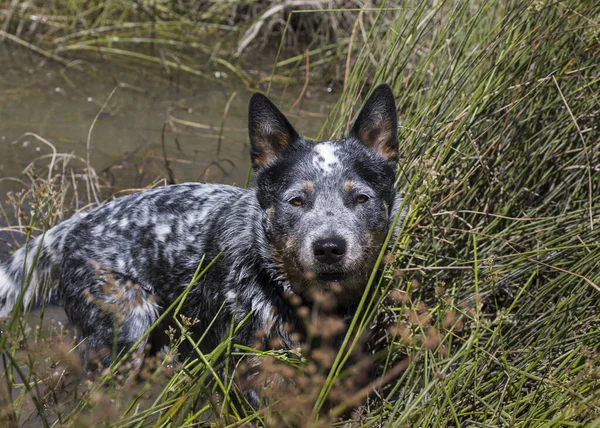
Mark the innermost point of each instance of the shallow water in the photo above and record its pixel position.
(60, 105)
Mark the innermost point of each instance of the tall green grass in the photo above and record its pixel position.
(489, 311)
(499, 110)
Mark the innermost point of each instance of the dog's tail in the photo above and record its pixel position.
(32, 267)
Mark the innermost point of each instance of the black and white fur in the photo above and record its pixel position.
(318, 217)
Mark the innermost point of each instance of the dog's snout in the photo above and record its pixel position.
(329, 250)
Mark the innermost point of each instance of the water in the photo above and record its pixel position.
(60, 105)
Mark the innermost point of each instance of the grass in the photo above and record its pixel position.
(488, 312)
(193, 37)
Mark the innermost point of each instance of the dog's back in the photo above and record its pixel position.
(124, 262)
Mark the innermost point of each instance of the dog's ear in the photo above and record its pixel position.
(270, 132)
(377, 123)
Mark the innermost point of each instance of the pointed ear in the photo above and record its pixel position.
(270, 132)
(377, 123)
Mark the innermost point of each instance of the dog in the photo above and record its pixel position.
(316, 220)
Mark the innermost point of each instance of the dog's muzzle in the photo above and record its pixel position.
(329, 253)
(329, 250)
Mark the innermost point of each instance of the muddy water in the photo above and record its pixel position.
(60, 105)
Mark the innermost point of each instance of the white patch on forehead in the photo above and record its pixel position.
(325, 158)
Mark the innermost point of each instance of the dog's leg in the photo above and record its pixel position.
(111, 312)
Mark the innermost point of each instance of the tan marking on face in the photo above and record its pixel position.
(275, 254)
(307, 186)
(349, 186)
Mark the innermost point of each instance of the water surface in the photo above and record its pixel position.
(60, 105)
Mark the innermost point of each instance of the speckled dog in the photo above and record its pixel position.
(318, 216)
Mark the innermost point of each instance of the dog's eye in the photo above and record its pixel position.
(361, 199)
(297, 201)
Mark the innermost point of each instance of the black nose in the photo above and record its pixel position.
(329, 250)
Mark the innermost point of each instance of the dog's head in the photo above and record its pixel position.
(329, 204)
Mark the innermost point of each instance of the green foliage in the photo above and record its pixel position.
(499, 113)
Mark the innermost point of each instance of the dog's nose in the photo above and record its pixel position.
(329, 250)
